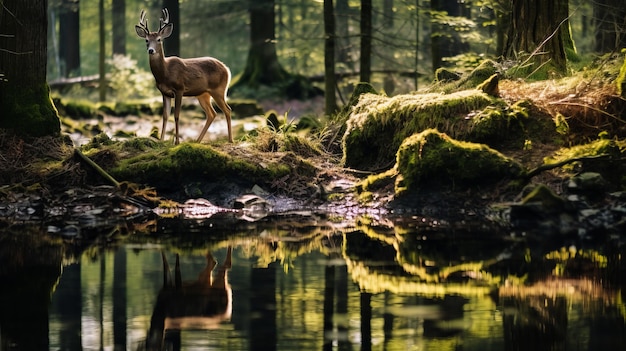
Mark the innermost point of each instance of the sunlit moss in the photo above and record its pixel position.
(598, 147)
(172, 166)
(378, 124)
(620, 82)
(432, 157)
(377, 282)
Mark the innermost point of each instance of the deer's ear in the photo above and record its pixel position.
(166, 31)
(140, 31)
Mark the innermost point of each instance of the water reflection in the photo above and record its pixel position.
(203, 303)
(302, 285)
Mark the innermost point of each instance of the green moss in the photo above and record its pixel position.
(378, 181)
(598, 147)
(433, 158)
(300, 145)
(611, 167)
(166, 168)
(546, 197)
(80, 109)
(29, 112)
(482, 73)
(378, 124)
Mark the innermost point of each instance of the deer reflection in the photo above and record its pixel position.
(199, 304)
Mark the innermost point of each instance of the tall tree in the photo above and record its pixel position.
(69, 38)
(342, 39)
(610, 25)
(365, 65)
(445, 40)
(172, 44)
(102, 89)
(262, 66)
(25, 104)
(118, 20)
(535, 30)
(329, 57)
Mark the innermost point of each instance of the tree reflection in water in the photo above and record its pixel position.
(310, 286)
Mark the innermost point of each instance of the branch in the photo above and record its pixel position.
(547, 167)
(97, 168)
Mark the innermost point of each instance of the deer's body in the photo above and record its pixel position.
(202, 77)
(198, 304)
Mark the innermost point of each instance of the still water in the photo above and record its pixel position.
(299, 285)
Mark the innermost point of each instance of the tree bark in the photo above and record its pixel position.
(535, 30)
(172, 44)
(329, 58)
(25, 104)
(262, 66)
(365, 62)
(342, 38)
(445, 41)
(102, 88)
(119, 27)
(69, 38)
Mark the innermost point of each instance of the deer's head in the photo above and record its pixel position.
(154, 40)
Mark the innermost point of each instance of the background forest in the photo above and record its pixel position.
(409, 38)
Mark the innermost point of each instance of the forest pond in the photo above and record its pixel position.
(306, 282)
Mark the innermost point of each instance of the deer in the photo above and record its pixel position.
(206, 78)
(203, 303)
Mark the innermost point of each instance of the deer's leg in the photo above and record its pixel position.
(221, 281)
(177, 276)
(209, 111)
(167, 106)
(167, 274)
(220, 100)
(178, 101)
(205, 277)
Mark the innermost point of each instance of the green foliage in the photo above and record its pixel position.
(127, 80)
(620, 82)
(281, 135)
(561, 124)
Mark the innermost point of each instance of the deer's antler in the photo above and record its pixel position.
(165, 19)
(143, 22)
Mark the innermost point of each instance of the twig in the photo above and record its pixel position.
(97, 168)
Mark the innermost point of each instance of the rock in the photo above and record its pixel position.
(377, 125)
(433, 158)
(588, 182)
(490, 86)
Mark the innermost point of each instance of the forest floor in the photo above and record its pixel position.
(47, 167)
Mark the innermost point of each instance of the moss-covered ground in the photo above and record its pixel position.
(476, 145)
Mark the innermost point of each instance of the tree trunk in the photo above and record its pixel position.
(534, 30)
(102, 88)
(365, 65)
(342, 38)
(69, 39)
(445, 41)
(119, 27)
(610, 21)
(262, 66)
(25, 104)
(172, 44)
(329, 58)
(388, 16)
